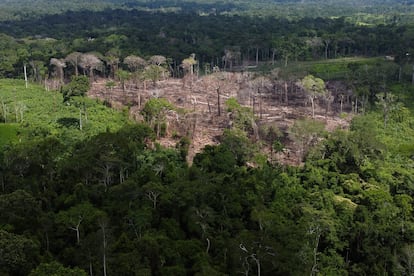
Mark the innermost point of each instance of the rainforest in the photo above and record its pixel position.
(206, 137)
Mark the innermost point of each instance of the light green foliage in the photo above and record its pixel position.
(315, 88)
(243, 117)
(188, 64)
(155, 107)
(45, 114)
(330, 70)
(277, 146)
(8, 133)
(154, 73)
(155, 111)
(110, 85)
(123, 76)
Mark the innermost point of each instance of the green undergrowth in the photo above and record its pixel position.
(35, 112)
(9, 133)
(330, 69)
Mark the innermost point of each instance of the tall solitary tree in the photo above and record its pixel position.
(77, 87)
(188, 64)
(315, 88)
(188, 67)
(136, 66)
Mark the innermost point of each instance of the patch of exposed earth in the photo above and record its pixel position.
(276, 103)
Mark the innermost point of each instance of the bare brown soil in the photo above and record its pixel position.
(276, 103)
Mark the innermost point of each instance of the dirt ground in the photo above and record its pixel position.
(276, 103)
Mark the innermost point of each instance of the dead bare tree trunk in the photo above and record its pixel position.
(312, 100)
(286, 94)
(218, 102)
(25, 75)
(90, 268)
(208, 245)
(80, 119)
(254, 104)
(260, 105)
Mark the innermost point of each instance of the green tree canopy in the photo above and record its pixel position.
(78, 86)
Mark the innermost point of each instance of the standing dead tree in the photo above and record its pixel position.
(74, 59)
(59, 64)
(89, 63)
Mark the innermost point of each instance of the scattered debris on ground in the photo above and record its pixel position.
(278, 103)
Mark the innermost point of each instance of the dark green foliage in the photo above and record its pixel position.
(8, 133)
(183, 146)
(68, 122)
(78, 86)
(155, 112)
(215, 159)
(19, 211)
(279, 41)
(218, 216)
(18, 255)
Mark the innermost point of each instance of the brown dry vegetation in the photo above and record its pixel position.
(275, 103)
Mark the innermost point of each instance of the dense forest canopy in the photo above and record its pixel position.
(21, 9)
(86, 190)
(245, 40)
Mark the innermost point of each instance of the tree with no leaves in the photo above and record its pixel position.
(135, 63)
(231, 55)
(90, 62)
(59, 64)
(259, 86)
(74, 60)
(158, 60)
(112, 60)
